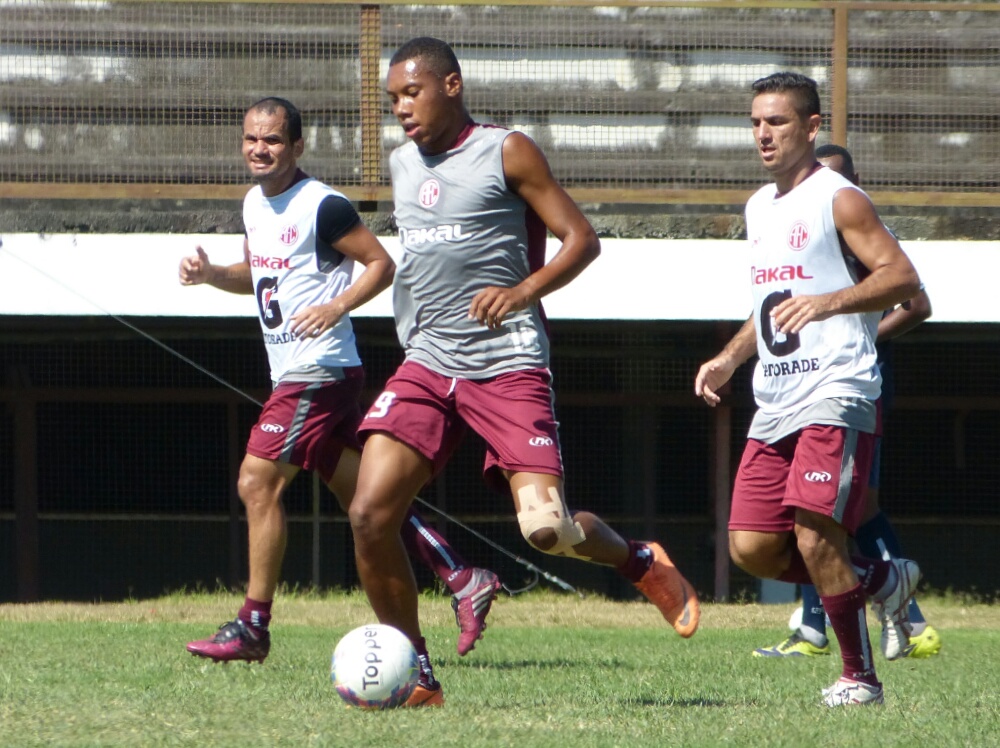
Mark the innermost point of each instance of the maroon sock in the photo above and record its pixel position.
(796, 573)
(640, 558)
(426, 545)
(255, 613)
(847, 619)
(873, 573)
(421, 646)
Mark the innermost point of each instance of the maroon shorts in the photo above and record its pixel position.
(512, 412)
(310, 424)
(821, 468)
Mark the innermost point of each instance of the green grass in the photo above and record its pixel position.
(553, 671)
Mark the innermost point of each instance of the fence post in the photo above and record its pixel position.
(371, 95)
(839, 109)
(233, 452)
(721, 481)
(26, 495)
(317, 518)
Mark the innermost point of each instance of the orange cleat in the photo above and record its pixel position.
(664, 586)
(424, 696)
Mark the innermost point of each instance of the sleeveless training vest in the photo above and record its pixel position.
(795, 250)
(461, 230)
(289, 274)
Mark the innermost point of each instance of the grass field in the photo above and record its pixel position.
(553, 670)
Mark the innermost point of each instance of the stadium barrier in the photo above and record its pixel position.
(633, 102)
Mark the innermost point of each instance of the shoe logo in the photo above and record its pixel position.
(818, 476)
(540, 441)
(272, 428)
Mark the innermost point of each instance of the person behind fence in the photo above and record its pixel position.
(800, 486)
(472, 203)
(875, 536)
(302, 240)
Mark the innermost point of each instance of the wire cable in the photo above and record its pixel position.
(535, 570)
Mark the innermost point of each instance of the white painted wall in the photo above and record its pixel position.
(634, 279)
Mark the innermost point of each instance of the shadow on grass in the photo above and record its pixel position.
(661, 701)
(561, 662)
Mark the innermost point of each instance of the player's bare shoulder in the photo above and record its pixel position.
(523, 160)
(852, 207)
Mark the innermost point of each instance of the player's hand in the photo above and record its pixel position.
(195, 269)
(313, 321)
(791, 315)
(711, 377)
(493, 304)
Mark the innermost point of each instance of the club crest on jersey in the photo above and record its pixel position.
(289, 234)
(798, 236)
(429, 193)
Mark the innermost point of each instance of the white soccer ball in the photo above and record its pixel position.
(375, 667)
(796, 619)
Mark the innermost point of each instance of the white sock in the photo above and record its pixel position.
(814, 637)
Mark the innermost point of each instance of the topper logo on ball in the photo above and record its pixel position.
(372, 672)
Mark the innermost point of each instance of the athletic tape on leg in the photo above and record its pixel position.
(536, 514)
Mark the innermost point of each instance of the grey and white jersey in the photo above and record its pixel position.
(462, 229)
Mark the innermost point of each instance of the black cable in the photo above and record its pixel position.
(523, 562)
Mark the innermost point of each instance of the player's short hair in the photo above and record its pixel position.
(831, 149)
(805, 90)
(437, 56)
(293, 117)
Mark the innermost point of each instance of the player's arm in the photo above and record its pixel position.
(892, 278)
(528, 175)
(197, 269)
(905, 317)
(715, 373)
(340, 227)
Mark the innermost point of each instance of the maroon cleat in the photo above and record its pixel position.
(471, 607)
(234, 640)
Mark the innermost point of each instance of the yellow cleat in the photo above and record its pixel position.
(793, 646)
(925, 644)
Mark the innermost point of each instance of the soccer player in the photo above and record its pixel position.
(472, 203)
(800, 487)
(302, 240)
(875, 536)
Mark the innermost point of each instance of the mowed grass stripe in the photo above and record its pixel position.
(70, 677)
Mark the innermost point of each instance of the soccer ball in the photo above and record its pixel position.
(375, 667)
(796, 619)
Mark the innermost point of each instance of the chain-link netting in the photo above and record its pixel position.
(136, 453)
(624, 98)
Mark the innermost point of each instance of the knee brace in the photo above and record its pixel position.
(536, 514)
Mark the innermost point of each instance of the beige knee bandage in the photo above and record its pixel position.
(536, 514)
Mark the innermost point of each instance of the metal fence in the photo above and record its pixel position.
(632, 102)
(118, 461)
